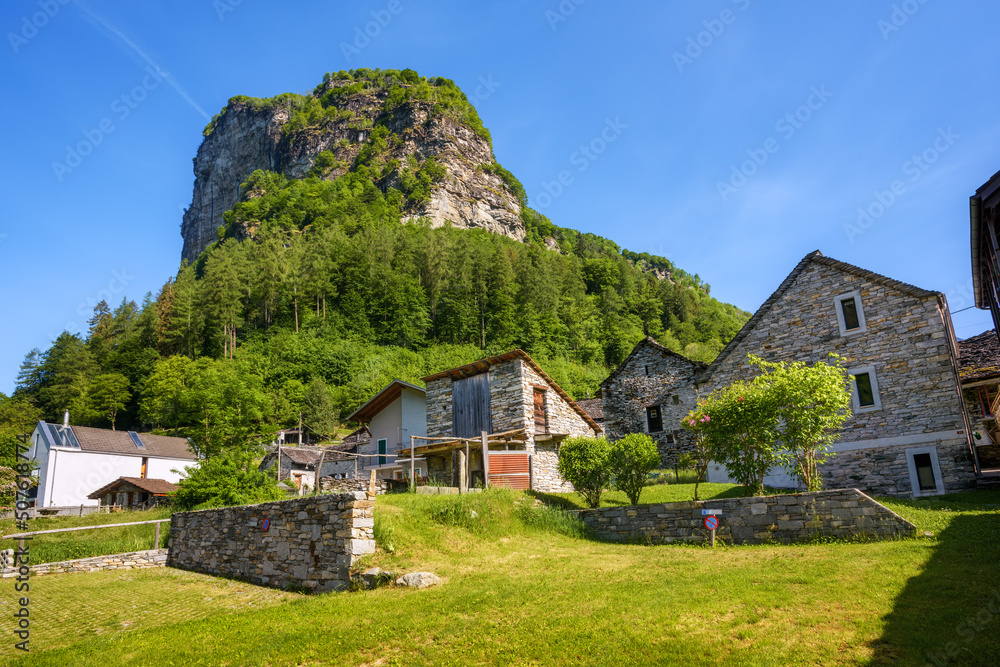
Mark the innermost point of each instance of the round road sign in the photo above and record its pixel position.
(265, 524)
(711, 522)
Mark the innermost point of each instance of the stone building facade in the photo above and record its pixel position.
(908, 434)
(309, 542)
(520, 396)
(650, 392)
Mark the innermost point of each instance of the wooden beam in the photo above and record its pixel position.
(413, 480)
(486, 460)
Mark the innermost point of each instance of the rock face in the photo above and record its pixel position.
(251, 136)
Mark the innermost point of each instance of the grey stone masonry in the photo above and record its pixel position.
(134, 560)
(652, 375)
(798, 517)
(904, 343)
(311, 542)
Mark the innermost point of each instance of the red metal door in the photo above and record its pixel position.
(510, 470)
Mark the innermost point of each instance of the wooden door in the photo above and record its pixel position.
(470, 406)
(541, 425)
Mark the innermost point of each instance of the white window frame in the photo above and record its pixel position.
(935, 466)
(855, 402)
(862, 323)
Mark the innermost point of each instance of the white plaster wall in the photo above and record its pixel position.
(160, 469)
(73, 474)
(414, 414)
(386, 424)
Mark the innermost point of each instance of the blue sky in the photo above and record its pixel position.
(731, 136)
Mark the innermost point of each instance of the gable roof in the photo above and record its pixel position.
(650, 342)
(158, 487)
(107, 441)
(814, 257)
(979, 357)
(483, 365)
(381, 400)
(357, 437)
(593, 407)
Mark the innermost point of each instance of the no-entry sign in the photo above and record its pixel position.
(711, 522)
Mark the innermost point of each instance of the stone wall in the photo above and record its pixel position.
(349, 485)
(652, 375)
(311, 542)
(799, 517)
(134, 560)
(439, 408)
(883, 471)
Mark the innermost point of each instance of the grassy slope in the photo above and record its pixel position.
(518, 595)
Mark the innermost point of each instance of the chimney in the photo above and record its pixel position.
(66, 419)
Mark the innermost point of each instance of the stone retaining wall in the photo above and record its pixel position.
(845, 513)
(311, 542)
(134, 560)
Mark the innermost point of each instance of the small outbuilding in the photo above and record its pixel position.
(134, 493)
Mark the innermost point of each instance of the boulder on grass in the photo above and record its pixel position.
(419, 580)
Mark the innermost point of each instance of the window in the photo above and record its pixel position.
(865, 396)
(382, 451)
(925, 471)
(136, 440)
(676, 399)
(670, 438)
(654, 419)
(538, 408)
(646, 367)
(850, 314)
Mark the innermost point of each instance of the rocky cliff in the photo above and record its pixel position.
(288, 134)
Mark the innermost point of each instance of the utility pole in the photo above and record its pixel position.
(300, 429)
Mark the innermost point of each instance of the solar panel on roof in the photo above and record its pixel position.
(136, 440)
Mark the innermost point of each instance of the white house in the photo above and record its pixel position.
(393, 415)
(74, 461)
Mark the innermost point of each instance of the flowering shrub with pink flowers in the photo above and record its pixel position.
(789, 414)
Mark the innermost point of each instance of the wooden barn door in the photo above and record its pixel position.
(510, 470)
(470, 406)
(541, 426)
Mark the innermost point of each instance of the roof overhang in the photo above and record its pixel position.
(382, 400)
(986, 196)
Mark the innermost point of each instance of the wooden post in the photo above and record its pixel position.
(486, 460)
(81, 509)
(712, 536)
(468, 466)
(413, 480)
(300, 429)
(319, 472)
(371, 483)
(463, 468)
(156, 539)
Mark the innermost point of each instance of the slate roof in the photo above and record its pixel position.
(649, 341)
(158, 487)
(814, 257)
(119, 442)
(979, 357)
(593, 407)
(357, 437)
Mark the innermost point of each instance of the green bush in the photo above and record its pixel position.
(224, 480)
(632, 459)
(584, 463)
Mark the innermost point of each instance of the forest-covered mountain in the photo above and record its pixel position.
(317, 291)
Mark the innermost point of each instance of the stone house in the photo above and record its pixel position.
(524, 413)
(134, 492)
(652, 389)
(980, 375)
(909, 432)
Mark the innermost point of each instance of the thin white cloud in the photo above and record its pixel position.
(102, 23)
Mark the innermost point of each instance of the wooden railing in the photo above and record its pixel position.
(20, 536)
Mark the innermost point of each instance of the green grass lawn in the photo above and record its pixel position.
(521, 588)
(86, 543)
